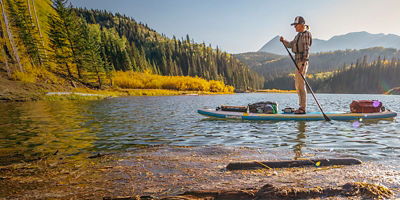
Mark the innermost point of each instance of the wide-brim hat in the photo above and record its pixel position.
(298, 20)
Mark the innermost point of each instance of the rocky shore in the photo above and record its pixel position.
(165, 172)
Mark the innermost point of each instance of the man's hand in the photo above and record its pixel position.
(286, 43)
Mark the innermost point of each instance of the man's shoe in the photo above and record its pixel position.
(300, 111)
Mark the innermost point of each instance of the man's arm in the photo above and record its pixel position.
(287, 43)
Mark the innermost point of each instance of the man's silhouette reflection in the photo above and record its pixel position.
(301, 127)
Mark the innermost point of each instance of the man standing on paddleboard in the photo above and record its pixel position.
(300, 45)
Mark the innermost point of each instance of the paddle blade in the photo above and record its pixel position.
(326, 117)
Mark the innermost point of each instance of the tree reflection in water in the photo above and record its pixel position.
(35, 129)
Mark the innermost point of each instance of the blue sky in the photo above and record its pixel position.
(238, 26)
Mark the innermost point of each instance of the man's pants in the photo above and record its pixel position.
(300, 84)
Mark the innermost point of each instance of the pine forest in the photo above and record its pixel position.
(43, 41)
(363, 77)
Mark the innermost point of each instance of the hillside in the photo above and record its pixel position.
(257, 59)
(376, 77)
(320, 62)
(11, 90)
(173, 56)
(355, 40)
(51, 42)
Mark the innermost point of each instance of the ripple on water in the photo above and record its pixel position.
(123, 123)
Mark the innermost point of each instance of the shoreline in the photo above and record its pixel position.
(170, 172)
(18, 91)
(10, 95)
(87, 94)
(69, 95)
(275, 91)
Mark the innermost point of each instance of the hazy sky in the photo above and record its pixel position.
(238, 26)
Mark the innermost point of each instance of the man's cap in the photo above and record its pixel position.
(298, 20)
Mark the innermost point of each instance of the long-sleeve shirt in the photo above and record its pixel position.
(301, 46)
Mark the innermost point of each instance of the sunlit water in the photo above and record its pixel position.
(34, 129)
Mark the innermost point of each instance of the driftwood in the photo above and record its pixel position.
(292, 163)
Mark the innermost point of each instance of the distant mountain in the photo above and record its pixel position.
(273, 66)
(355, 40)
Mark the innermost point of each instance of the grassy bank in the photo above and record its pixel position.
(89, 94)
(124, 84)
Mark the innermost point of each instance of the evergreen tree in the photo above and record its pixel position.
(107, 65)
(93, 60)
(70, 25)
(59, 37)
(28, 35)
(10, 36)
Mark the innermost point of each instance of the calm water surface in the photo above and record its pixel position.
(34, 129)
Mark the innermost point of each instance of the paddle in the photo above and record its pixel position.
(308, 85)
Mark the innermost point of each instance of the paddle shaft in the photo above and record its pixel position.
(308, 85)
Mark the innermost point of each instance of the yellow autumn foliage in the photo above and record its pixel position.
(24, 77)
(33, 74)
(138, 80)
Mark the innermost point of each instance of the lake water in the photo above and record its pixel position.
(34, 129)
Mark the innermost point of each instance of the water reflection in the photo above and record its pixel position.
(36, 129)
(31, 130)
(300, 140)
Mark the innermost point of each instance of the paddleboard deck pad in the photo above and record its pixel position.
(310, 116)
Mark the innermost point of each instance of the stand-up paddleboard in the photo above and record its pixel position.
(310, 116)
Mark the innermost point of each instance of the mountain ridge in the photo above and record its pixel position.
(272, 66)
(352, 40)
